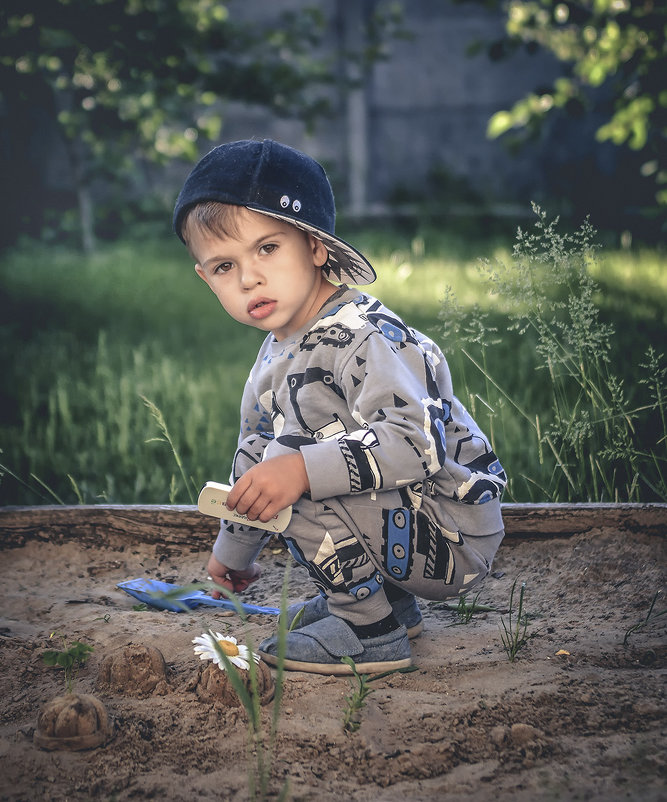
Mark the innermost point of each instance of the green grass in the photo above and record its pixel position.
(83, 341)
(514, 627)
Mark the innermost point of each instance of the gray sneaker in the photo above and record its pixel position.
(318, 647)
(406, 611)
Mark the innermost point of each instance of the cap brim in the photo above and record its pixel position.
(345, 264)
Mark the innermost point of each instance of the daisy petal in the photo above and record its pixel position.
(209, 645)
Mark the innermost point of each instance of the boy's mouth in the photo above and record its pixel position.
(260, 308)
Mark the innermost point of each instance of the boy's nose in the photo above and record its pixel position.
(250, 277)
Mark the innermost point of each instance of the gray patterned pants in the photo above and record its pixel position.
(353, 546)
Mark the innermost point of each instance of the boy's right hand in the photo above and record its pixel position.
(269, 487)
(236, 581)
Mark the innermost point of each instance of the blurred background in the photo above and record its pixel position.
(441, 124)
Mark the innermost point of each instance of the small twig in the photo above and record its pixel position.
(643, 623)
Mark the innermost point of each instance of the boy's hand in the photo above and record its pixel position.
(269, 487)
(236, 581)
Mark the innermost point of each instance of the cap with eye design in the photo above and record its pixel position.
(279, 181)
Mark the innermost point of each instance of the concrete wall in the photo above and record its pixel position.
(424, 108)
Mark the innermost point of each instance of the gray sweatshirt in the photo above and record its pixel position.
(369, 402)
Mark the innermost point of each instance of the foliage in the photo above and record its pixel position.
(124, 71)
(594, 443)
(127, 80)
(71, 658)
(615, 44)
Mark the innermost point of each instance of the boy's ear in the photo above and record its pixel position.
(199, 270)
(320, 252)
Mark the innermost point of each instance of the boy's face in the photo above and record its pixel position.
(268, 276)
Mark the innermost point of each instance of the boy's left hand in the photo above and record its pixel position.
(269, 487)
(236, 581)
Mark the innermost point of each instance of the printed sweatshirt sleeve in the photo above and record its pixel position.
(237, 546)
(390, 391)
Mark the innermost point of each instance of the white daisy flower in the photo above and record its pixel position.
(238, 654)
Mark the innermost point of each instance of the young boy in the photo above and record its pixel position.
(348, 415)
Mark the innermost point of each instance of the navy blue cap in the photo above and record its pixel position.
(278, 181)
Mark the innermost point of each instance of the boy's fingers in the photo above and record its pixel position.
(242, 497)
(238, 492)
(268, 513)
(220, 580)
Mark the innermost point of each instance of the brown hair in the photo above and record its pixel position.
(212, 217)
(219, 219)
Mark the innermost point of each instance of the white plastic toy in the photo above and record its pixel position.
(212, 500)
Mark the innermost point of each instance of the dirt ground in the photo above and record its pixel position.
(579, 715)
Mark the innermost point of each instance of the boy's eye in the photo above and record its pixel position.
(268, 247)
(223, 267)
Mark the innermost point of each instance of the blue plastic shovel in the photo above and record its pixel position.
(148, 590)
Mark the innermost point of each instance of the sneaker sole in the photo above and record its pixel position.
(337, 669)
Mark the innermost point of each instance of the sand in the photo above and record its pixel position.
(578, 715)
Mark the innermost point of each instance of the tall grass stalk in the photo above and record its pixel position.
(514, 628)
(595, 442)
(360, 688)
(166, 437)
(261, 742)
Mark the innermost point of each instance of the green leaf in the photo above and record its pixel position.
(499, 124)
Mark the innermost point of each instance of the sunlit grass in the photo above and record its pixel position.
(414, 278)
(83, 339)
(635, 269)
